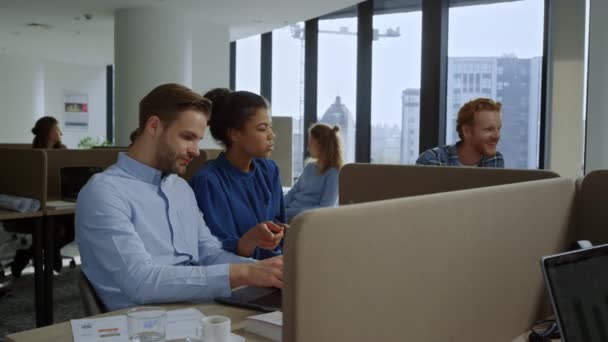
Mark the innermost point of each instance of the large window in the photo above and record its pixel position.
(337, 78)
(496, 51)
(248, 58)
(396, 87)
(288, 84)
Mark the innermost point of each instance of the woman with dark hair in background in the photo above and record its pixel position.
(47, 135)
(240, 192)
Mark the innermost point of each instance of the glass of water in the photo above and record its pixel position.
(147, 324)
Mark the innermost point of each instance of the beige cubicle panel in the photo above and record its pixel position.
(372, 182)
(23, 173)
(59, 158)
(282, 154)
(458, 266)
(592, 218)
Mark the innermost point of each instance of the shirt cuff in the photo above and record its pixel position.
(218, 277)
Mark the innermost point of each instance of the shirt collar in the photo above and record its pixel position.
(138, 169)
(233, 169)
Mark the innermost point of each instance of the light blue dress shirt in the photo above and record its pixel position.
(142, 239)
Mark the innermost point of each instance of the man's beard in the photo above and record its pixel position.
(167, 159)
(481, 149)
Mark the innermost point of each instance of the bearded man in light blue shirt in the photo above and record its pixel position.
(141, 236)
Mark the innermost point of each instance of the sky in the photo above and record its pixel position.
(474, 31)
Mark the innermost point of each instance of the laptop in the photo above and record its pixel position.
(257, 298)
(73, 178)
(577, 282)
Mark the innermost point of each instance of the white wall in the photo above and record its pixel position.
(21, 97)
(210, 56)
(597, 100)
(60, 77)
(31, 88)
(210, 64)
(567, 87)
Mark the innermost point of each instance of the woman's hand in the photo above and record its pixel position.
(266, 235)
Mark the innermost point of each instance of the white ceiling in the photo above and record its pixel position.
(73, 38)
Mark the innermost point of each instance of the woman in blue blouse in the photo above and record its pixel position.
(240, 193)
(317, 187)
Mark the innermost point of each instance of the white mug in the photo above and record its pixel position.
(214, 329)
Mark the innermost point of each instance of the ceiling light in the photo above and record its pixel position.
(39, 25)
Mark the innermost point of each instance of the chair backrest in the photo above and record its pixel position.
(91, 303)
(361, 183)
(456, 266)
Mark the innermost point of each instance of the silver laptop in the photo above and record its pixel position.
(577, 282)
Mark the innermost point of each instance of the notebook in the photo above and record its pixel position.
(577, 282)
(269, 325)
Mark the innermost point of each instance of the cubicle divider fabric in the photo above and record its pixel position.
(60, 158)
(23, 173)
(372, 182)
(592, 218)
(16, 145)
(457, 266)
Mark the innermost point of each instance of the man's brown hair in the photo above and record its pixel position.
(167, 101)
(467, 113)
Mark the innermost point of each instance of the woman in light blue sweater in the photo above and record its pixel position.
(317, 187)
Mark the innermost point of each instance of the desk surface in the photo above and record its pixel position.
(57, 212)
(63, 331)
(68, 209)
(14, 215)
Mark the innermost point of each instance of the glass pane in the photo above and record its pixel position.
(248, 59)
(396, 87)
(288, 84)
(496, 51)
(337, 78)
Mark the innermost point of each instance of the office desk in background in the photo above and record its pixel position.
(63, 331)
(49, 259)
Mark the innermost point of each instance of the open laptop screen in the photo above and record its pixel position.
(578, 285)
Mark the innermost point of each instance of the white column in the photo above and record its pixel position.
(21, 96)
(210, 56)
(596, 156)
(567, 87)
(153, 46)
(210, 63)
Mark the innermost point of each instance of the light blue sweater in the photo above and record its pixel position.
(312, 190)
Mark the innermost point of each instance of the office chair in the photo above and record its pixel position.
(91, 303)
(12, 238)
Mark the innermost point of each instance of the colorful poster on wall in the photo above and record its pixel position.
(76, 110)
